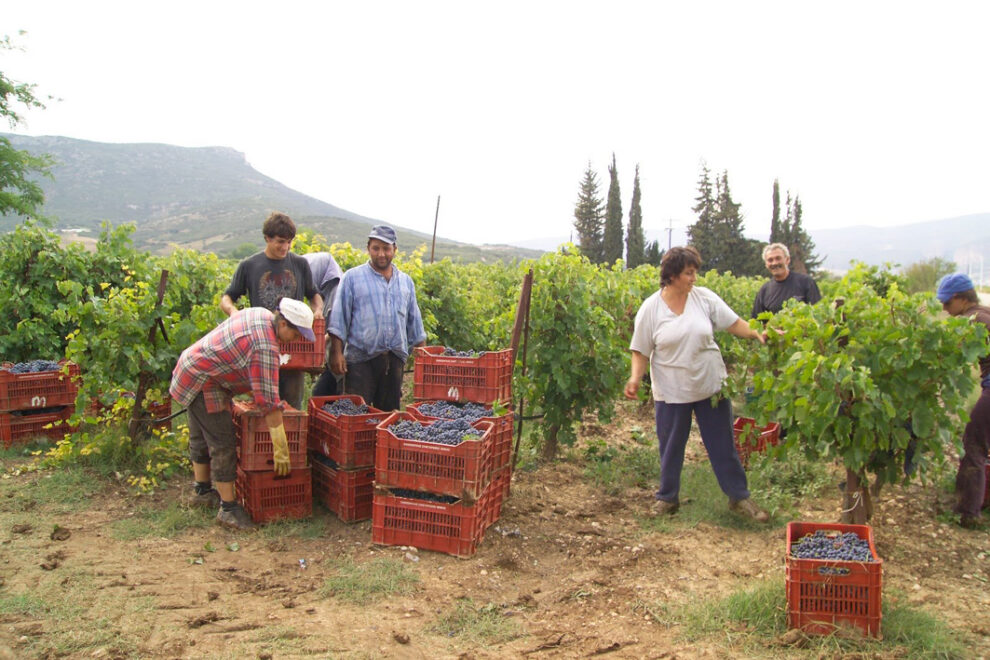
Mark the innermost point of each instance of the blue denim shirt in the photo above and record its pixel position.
(372, 315)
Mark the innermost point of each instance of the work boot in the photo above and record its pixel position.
(665, 508)
(969, 522)
(236, 517)
(748, 508)
(208, 500)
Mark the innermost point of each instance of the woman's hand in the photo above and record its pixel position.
(632, 387)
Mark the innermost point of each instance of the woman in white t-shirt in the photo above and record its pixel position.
(674, 337)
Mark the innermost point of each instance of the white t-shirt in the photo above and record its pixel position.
(685, 363)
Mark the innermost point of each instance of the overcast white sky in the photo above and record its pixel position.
(873, 112)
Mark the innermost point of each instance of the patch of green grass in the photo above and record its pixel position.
(371, 580)
(167, 521)
(616, 468)
(479, 625)
(309, 528)
(55, 491)
(781, 479)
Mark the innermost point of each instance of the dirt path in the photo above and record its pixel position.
(571, 567)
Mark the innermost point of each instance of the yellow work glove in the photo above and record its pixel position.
(280, 450)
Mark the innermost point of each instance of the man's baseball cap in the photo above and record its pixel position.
(952, 284)
(299, 315)
(383, 233)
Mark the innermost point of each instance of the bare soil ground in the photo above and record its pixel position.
(573, 568)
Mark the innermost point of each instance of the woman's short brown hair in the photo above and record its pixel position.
(280, 225)
(675, 260)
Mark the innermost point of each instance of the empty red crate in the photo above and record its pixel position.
(306, 355)
(501, 433)
(17, 428)
(750, 437)
(483, 379)
(348, 440)
(348, 493)
(41, 389)
(267, 496)
(462, 470)
(823, 594)
(454, 529)
(254, 442)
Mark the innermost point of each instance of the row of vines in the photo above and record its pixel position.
(865, 376)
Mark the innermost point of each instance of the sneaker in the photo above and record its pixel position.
(236, 518)
(208, 500)
(747, 508)
(665, 508)
(969, 522)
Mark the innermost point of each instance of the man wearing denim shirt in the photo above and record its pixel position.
(376, 316)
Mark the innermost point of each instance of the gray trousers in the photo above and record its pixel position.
(212, 440)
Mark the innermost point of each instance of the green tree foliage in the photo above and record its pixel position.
(20, 195)
(653, 253)
(717, 234)
(635, 241)
(923, 276)
(588, 218)
(612, 245)
(791, 233)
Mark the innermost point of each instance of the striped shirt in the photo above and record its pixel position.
(239, 355)
(372, 315)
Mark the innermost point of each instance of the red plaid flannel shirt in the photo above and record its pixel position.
(239, 355)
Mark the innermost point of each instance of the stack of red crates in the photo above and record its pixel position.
(342, 453)
(441, 497)
(30, 402)
(265, 495)
(824, 594)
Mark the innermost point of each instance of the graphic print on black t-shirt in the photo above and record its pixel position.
(274, 286)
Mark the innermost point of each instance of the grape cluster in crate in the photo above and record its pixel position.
(442, 467)
(36, 398)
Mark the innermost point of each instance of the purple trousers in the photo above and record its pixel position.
(715, 424)
(971, 480)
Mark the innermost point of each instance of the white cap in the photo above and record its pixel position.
(300, 315)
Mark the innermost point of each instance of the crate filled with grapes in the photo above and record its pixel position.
(18, 427)
(348, 493)
(443, 373)
(344, 429)
(499, 415)
(38, 384)
(833, 578)
(446, 457)
(254, 442)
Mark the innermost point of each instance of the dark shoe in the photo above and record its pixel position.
(208, 500)
(236, 518)
(969, 522)
(665, 508)
(746, 507)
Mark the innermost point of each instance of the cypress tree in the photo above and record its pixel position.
(588, 220)
(613, 218)
(775, 218)
(635, 241)
(718, 232)
(653, 253)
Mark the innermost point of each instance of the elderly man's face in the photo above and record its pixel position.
(777, 264)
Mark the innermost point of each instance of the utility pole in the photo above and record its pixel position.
(670, 232)
(436, 216)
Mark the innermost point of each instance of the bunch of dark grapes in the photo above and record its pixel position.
(345, 407)
(823, 545)
(33, 366)
(472, 412)
(420, 495)
(444, 432)
(453, 352)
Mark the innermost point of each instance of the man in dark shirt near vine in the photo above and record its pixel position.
(959, 298)
(269, 276)
(784, 283)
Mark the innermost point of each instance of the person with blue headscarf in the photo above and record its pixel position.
(959, 298)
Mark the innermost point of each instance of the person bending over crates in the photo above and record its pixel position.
(374, 322)
(238, 356)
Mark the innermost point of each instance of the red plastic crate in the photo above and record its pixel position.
(269, 497)
(254, 442)
(455, 529)
(823, 594)
(348, 493)
(18, 429)
(483, 379)
(501, 433)
(462, 470)
(348, 440)
(306, 355)
(751, 437)
(499, 492)
(41, 389)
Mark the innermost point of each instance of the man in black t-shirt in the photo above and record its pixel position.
(784, 284)
(269, 276)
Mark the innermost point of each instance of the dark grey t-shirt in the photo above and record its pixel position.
(266, 281)
(772, 295)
